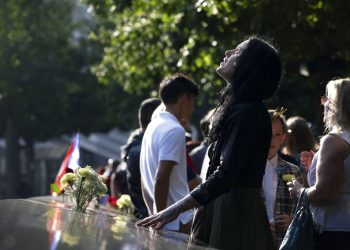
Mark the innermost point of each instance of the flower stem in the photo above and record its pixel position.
(79, 194)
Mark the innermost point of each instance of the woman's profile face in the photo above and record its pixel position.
(227, 66)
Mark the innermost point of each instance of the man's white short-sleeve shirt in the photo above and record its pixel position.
(164, 139)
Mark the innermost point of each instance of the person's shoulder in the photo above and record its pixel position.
(170, 132)
(175, 130)
(161, 125)
(249, 112)
(286, 164)
(167, 119)
(335, 146)
(249, 108)
(287, 158)
(135, 150)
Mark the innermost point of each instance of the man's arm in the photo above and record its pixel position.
(192, 178)
(193, 183)
(147, 199)
(161, 185)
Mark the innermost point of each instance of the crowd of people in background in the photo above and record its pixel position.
(228, 189)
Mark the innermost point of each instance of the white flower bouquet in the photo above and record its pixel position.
(288, 177)
(83, 186)
(124, 204)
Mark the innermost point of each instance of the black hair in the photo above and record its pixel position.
(146, 110)
(258, 71)
(256, 77)
(172, 87)
(300, 137)
(204, 124)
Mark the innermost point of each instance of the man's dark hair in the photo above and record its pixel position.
(146, 110)
(172, 87)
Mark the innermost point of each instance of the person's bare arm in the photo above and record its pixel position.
(161, 184)
(192, 184)
(329, 171)
(113, 186)
(147, 199)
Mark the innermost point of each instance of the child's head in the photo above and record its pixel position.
(279, 130)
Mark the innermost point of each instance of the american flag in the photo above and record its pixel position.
(70, 161)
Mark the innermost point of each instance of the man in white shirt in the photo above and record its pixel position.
(163, 151)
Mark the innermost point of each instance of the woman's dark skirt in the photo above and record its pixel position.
(235, 220)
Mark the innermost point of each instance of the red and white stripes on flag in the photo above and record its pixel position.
(70, 161)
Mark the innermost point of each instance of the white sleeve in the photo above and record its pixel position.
(171, 145)
(205, 165)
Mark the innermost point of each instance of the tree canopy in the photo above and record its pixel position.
(46, 85)
(145, 40)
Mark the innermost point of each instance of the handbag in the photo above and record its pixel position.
(300, 233)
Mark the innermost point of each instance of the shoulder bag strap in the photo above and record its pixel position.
(302, 200)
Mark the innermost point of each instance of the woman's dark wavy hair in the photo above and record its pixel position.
(256, 77)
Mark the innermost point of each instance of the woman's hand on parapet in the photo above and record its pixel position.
(158, 220)
(169, 214)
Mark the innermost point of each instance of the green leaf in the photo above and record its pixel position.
(55, 188)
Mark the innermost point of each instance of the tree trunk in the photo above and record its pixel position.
(30, 164)
(12, 158)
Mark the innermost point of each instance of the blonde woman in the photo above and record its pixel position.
(329, 172)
